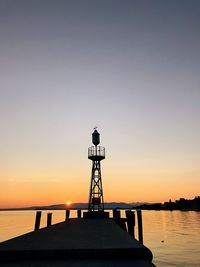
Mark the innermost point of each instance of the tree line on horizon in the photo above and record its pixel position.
(181, 204)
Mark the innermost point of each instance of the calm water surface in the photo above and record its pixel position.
(172, 236)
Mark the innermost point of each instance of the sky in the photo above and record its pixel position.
(130, 67)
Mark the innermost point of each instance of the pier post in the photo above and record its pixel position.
(140, 230)
(67, 214)
(49, 219)
(116, 214)
(79, 214)
(37, 220)
(117, 218)
(130, 219)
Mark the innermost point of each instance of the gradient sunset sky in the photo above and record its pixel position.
(130, 67)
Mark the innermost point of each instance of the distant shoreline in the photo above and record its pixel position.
(182, 205)
(134, 208)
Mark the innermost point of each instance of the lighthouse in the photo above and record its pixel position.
(96, 153)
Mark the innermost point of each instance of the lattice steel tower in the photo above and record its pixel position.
(96, 154)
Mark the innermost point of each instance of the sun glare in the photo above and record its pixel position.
(68, 203)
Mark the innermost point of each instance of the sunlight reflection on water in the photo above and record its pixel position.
(172, 236)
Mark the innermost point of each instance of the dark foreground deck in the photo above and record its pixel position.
(76, 242)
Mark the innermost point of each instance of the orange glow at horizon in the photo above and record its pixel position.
(128, 179)
(139, 187)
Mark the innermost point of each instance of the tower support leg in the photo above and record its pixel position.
(96, 201)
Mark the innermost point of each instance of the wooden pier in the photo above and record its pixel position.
(76, 242)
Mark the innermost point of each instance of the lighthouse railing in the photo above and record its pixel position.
(98, 151)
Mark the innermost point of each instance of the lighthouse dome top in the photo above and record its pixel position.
(95, 137)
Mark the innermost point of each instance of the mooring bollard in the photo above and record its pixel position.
(67, 214)
(130, 219)
(37, 220)
(140, 231)
(79, 214)
(49, 219)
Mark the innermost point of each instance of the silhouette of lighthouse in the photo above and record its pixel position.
(96, 153)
